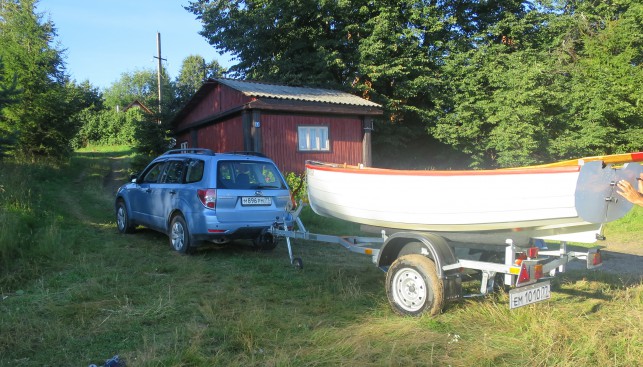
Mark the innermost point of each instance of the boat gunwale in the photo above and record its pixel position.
(331, 167)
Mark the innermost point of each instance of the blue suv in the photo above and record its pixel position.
(196, 195)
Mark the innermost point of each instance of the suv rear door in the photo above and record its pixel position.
(250, 192)
(165, 195)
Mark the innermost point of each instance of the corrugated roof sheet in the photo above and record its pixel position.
(261, 90)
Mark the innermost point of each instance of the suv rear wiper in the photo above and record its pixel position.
(266, 187)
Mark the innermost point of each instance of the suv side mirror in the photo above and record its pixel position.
(133, 178)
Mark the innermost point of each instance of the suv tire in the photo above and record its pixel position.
(180, 239)
(122, 218)
(264, 242)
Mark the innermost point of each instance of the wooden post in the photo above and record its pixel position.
(367, 157)
(257, 141)
(158, 48)
(159, 69)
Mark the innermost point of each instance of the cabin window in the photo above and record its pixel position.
(313, 138)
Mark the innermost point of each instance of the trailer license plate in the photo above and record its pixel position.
(523, 296)
(256, 200)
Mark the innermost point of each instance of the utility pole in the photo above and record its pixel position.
(158, 47)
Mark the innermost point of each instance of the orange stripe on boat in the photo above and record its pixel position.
(571, 165)
(391, 172)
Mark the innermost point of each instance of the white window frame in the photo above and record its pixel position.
(313, 138)
(184, 145)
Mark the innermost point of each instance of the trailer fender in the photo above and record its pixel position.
(428, 244)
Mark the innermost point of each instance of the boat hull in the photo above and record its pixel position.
(547, 202)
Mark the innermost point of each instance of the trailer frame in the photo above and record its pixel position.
(522, 265)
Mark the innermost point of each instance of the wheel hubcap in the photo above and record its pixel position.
(178, 235)
(409, 290)
(120, 218)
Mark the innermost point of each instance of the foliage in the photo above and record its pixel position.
(298, 187)
(194, 71)
(8, 92)
(7, 143)
(508, 83)
(141, 85)
(148, 133)
(302, 42)
(8, 95)
(42, 116)
(555, 86)
(109, 127)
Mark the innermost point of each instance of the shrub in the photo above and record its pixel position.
(297, 183)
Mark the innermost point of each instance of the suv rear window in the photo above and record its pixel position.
(248, 175)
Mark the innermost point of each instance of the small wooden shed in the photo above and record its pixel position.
(288, 124)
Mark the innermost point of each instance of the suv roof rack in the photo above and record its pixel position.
(256, 154)
(190, 150)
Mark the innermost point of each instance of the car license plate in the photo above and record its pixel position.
(524, 296)
(256, 200)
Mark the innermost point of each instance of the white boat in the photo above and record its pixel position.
(567, 201)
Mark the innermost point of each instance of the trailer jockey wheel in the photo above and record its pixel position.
(298, 263)
(413, 286)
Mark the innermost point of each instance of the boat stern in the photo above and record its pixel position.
(596, 198)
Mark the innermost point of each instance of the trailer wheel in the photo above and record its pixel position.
(413, 286)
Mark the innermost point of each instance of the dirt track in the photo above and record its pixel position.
(624, 259)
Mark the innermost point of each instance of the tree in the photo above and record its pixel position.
(604, 101)
(194, 71)
(41, 117)
(8, 95)
(545, 86)
(307, 42)
(138, 85)
(507, 82)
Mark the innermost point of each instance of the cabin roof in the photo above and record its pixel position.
(281, 97)
(264, 90)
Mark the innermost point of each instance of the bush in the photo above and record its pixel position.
(297, 184)
(108, 127)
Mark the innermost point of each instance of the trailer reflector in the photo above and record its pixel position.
(538, 271)
(523, 277)
(532, 252)
(597, 259)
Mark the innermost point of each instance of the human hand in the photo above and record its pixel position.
(626, 190)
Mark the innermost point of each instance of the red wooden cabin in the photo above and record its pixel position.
(288, 124)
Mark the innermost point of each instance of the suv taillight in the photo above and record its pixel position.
(208, 197)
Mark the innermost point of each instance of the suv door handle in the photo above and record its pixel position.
(172, 192)
(148, 190)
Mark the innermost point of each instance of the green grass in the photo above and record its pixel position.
(75, 292)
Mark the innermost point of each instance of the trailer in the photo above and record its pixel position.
(424, 270)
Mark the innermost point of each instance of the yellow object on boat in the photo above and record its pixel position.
(612, 158)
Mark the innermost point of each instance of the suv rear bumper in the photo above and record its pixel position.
(240, 234)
